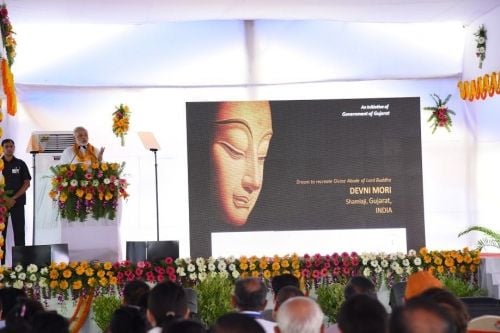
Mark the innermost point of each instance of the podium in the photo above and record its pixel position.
(40, 255)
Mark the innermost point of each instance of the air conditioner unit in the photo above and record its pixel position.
(50, 142)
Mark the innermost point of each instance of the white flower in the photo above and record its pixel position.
(384, 263)
(378, 269)
(235, 274)
(95, 182)
(481, 40)
(84, 182)
(394, 265)
(191, 268)
(412, 253)
(211, 267)
(178, 261)
(406, 262)
(29, 285)
(211, 260)
(1, 277)
(64, 184)
(180, 271)
(212, 274)
(200, 261)
(231, 259)
(32, 277)
(32, 268)
(44, 271)
(232, 267)
(221, 266)
(393, 256)
(401, 255)
(193, 276)
(43, 282)
(367, 271)
(202, 276)
(22, 276)
(481, 50)
(13, 276)
(73, 182)
(409, 270)
(374, 263)
(417, 261)
(106, 181)
(202, 268)
(399, 270)
(18, 284)
(365, 261)
(18, 268)
(224, 274)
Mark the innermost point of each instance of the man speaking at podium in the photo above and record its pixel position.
(82, 151)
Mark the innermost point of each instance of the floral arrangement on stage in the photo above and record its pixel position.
(121, 121)
(3, 209)
(78, 278)
(9, 44)
(82, 190)
(441, 114)
(481, 44)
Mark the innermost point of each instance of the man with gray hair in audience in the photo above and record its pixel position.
(250, 299)
(300, 315)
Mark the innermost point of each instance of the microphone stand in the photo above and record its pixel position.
(154, 150)
(34, 152)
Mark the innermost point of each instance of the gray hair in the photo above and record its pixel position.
(78, 129)
(300, 315)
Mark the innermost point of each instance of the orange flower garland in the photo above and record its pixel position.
(480, 88)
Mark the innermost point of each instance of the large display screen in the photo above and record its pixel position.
(304, 165)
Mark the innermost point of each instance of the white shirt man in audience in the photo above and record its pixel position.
(300, 315)
(250, 299)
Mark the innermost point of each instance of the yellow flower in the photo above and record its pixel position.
(110, 274)
(107, 265)
(295, 264)
(438, 261)
(67, 274)
(472, 268)
(101, 273)
(285, 263)
(62, 266)
(104, 167)
(267, 274)
(88, 196)
(103, 281)
(296, 273)
(80, 270)
(63, 284)
(423, 251)
(449, 262)
(73, 264)
(276, 266)
(54, 274)
(255, 274)
(63, 197)
(113, 281)
(276, 273)
(95, 165)
(91, 282)
(467, 259)
(53, 194)
(72, 167)
(252, 267)
(243, 260)
(77, 285)
(427, 259)
(53, 284)
(263, 263)
(83, 167)
(452, 269)
(89, 271)
(244, 275)
(243, 266)
(108, 196)
(115, 166)
(476, 260)
(79, 192)
(460, 258)
(440, 269)
(463, 269)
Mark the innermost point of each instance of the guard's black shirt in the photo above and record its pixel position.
(15, 173)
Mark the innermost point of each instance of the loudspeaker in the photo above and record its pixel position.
(39, 255)
(152, 250)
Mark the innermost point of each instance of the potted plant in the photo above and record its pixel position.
(103, 308)
(214, 298)
(330, 298)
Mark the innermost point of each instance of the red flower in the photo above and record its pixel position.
(324, 272)
(316, 274)
(138, 271)
(306, 273)
(160, 277)
(336, 271)
(346, 271)
(150, 277)
(170, 270)
(172, 277)
(169, 260)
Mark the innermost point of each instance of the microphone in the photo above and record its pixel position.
(74, 156)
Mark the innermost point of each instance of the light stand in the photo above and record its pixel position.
(154, 150)
(33, 153)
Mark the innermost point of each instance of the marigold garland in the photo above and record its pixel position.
(480, 88)
(8, 88)
(7, 34)
(121, 121)
(441, 115)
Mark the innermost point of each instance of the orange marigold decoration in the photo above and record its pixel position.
(8, 88)
(9, 44)
(121, 121)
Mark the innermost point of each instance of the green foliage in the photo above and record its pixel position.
(492, 238)
(460, 287)
(103, 308)
(214, 298)
(330, 298)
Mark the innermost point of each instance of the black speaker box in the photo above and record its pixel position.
(39, 255)
(152, 250)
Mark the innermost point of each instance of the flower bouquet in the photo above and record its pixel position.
(82, 190)
(481, 44)
(121, 120)
(441, 115)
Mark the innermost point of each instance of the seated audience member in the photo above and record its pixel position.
(128, 319)
(300, 315)
(183, 326)
(419, 282)
(20, 318)
(50, 322)
(277, 283)
(357, 285)
(421, 315)
(8, 299)
(135, 293)
(451, 304)
(250, 299)
(166, 302)
(283, 295)
(236, 323)
(362, 314)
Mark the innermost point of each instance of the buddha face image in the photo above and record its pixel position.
(242, 134)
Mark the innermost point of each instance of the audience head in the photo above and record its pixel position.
(362, 314)
(127, 319)
(451, 304)
(299, 315)
(183, 326)
(250, 294)
(283, 295)
(419, 282)
(20, 318)
(359, 285)
(8, 299)
(421, 315)
(136, 293)
(50, 322)
(166, 302)
(236, 323)
(283, 280)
